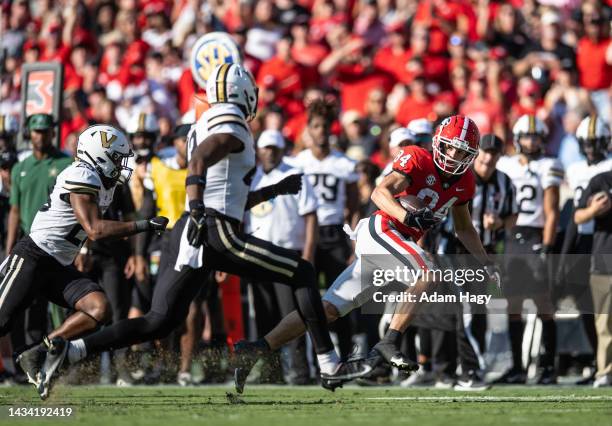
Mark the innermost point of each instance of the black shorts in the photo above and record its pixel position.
(30, 272)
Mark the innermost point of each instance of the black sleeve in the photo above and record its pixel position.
(147, 210)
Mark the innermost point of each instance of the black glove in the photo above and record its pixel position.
(196, 227)
(494, 274)
(290, 185)
(157, 223)
(422, 219)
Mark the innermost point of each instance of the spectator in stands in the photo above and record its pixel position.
(594, 59)
(280, 79)
(418, 104)
(550, 53)
(486, 113)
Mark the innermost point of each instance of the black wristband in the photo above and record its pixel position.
(141, 225)
(195, 180)
(196, 205)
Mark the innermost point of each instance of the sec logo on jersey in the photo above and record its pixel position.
(430, 180)
(263, 209)
(210, 50)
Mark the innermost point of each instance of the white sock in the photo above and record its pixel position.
(328, 362)
(76, 351)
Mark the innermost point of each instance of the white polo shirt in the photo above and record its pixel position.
(280, 220)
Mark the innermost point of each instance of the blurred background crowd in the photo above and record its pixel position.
(383, 63)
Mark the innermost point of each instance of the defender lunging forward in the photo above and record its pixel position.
(41, 263)
(221, 165)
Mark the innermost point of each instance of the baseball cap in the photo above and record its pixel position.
(349, 117)
(491, 142)
(399, 135)
(420, 126)
(40, 122)
(271, 138)
(422, 130)
(550, 18)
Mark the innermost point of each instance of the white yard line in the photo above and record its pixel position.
(484, 398)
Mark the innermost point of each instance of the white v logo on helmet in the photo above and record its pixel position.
(107, 150)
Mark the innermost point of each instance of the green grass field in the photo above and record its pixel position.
(311, 406)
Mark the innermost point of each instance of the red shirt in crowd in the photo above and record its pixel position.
(595, 72)
(285, 78)
(74, 125)
(486, 114)
(394, 64)
(185, 89)
(411, 109)
(355, 83)
(517, 109)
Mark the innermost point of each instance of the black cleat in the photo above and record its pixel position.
(512, 377)
(57, 349)
(346, 371)
(547, 376)
(380, 375)
(246, 354)
(388, 352)
(31, 362)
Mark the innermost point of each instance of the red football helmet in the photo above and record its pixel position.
(458, 132)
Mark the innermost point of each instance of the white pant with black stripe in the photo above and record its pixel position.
(378, 245)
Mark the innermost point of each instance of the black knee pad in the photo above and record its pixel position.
(305, 275)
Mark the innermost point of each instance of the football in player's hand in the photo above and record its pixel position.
(411, 203)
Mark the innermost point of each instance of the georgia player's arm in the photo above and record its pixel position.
(214, 148)
(89, 216)
(551, 215)
(384, 194)
(467, 234)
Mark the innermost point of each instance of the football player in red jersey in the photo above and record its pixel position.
(443, 181)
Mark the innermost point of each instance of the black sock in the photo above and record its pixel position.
(310, 308)
(549, 343)
(515, 330)
(392, 336)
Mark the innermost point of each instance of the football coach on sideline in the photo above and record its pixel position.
(596, 204)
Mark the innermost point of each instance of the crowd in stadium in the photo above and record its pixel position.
(392, 70)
